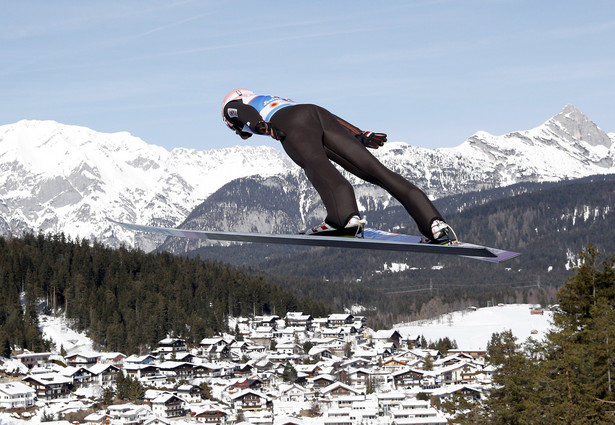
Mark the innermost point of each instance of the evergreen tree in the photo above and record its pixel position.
(289, 374)
(568, 379)
(5, 345)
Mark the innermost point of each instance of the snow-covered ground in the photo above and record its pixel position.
(472, 329)
(58, 330)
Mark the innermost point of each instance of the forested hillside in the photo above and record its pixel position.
(548, 223)
(126, 299)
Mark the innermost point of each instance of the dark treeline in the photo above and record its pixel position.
(126, 299)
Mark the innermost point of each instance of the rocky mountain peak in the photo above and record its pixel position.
(571, 123)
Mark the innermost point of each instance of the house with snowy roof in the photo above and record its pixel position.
(33, 359)
(189, 393)
(104, 374)
(292, 393)
(171, 345)
(134, 359)
(339, 319)
(250, 400)
(322, 381)
(128, 413)
(51, 386)
(459, 373)
(81, 376)
(387, 337)
(112, 358)
(209, 414)
(298, 319)
(408, 377)
(84, 359)
(337, 389)
(16, 395)
(168, 405)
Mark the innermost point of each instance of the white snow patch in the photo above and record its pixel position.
(473, 329)
(58, 330)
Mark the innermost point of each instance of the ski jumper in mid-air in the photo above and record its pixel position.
(313, 137)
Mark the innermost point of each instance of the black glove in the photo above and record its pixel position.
(371, 140)
(263, 127)
(243, 134)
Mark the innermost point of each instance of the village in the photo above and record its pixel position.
(291, 370)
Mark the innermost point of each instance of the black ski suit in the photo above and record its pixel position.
(313, 137)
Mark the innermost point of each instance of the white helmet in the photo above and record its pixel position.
(234, 95)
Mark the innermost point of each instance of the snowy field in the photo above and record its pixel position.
(472, 329)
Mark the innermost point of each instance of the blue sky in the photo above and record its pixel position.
(430, 73)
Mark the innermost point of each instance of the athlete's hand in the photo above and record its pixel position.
(263, 127)
(243, 134)
(371, 140)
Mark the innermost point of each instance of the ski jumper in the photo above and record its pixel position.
(313, 138)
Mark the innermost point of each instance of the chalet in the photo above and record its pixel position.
(83, 359)
(408, 378)
(335, 320)
(16, 395)
(181, 357)
(309, 370)
(115, 359)
(189, 393)
(338, 389)
(392, 398)
(333, 332)
(452, 359)
(171, 345)
(210, 415)
(104, 375)
(395, 363)
(99, 417)
(207, 343)
(133, 359)
(475, 354)
(252, 384)
(322, 381)
(128, 413)
(360, 377)
(168, 406)
(299, 320)
(49, 386)
(33, 359)
(292, 393)
(218, 352)
(289, 348)
(385, 337)
(356, 363)
(268, 321)
(467, 391)
(459, 373)
(243, 370)
(140, 371)
(413, 341)
(81, 377)
(262, 335)
(251, 400)
(177, 370)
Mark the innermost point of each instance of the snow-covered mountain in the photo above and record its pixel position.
(61, 178)
(567, 146)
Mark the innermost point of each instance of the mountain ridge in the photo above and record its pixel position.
(67, 179)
